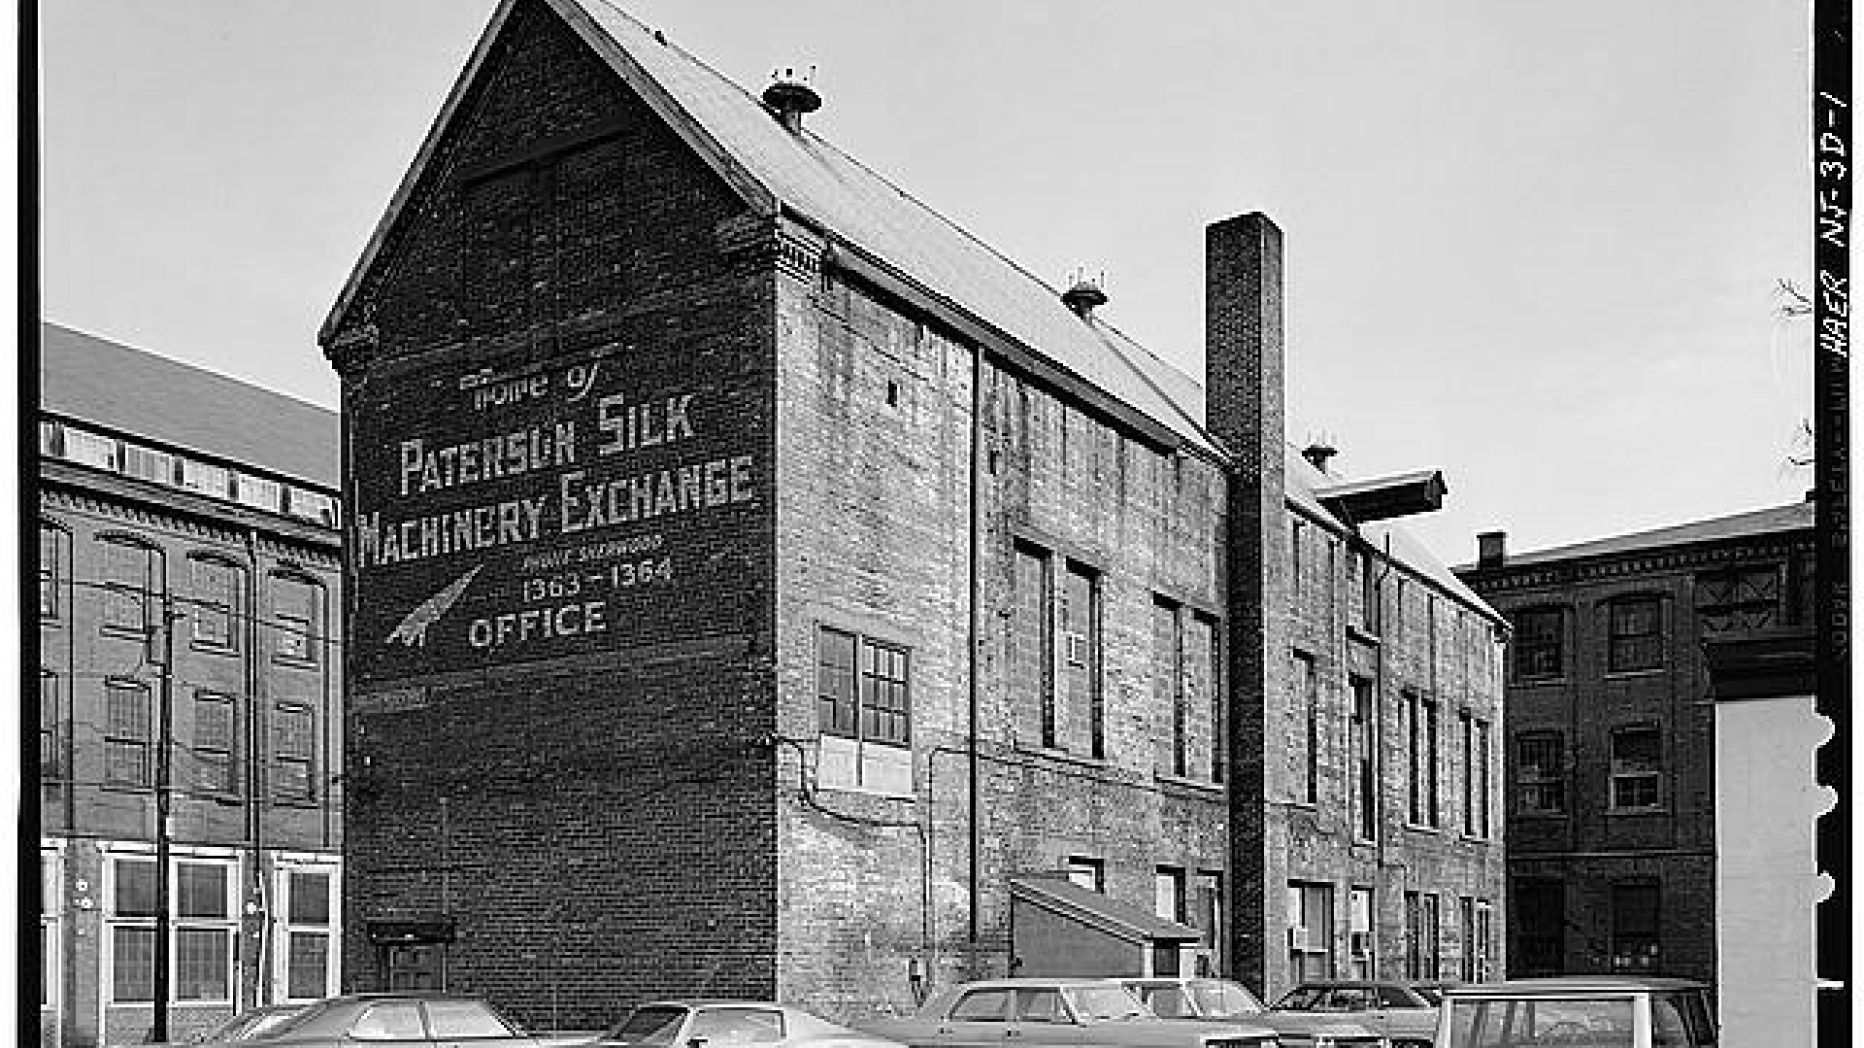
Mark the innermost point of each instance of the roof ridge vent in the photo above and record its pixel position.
(790, 96)
(1084, 295)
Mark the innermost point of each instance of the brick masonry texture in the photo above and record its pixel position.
(599, 825)
(1590, 847)
(84, 814)
(661, 814)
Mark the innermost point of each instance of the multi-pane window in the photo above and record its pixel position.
(51, 573)
(311, 505)
(1087, 873)
(1738, 599)
(1540, 644)
(156, 467)
(203, 931)
(1422, 935)
(1294, 559)
(212, 751)
(257, 492)
(1184, 691)
(50, 970)
(1636, 634)
(297, 625)
(1204, 673)
(1637, 766)
(885, 712)
(294, 751)
(214, 612)
(862, 688)
(127, 723)
(1307, 709)
(131, 582)
(1364, 745)
(208, 480)
(89, 449)
(837, 708)
(1310, 931)
(1637, 940)
(51, 720)
(1540, 773)
(132, 930)
(308, 931)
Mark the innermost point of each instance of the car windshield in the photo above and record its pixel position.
(1221, 1000)
(653, 1025)
(1433, 994)
(1301, 999)
(255, 1023)
(1094, 1003)
(1503, 1022)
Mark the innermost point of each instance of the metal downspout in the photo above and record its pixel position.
(972, 637)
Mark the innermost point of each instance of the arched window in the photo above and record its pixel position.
(132, 583)
(216, 601)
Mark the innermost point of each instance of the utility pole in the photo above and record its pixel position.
(163, 772)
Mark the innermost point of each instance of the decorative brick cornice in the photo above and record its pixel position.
(1678, 558)
(799, 252)
(351, 349)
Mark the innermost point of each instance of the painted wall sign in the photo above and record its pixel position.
(541, 512)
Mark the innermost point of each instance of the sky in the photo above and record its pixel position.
(1535, 245)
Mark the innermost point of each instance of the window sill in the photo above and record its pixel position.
(866, 791)
(1064, 756)
(1419, 827)
(210, 648)
(1474, 838)
(1188, 783)
(1653, 671)
(1304, 805)
(1654, 809)
(295, 662)
(1360, 633)
(1538, 682)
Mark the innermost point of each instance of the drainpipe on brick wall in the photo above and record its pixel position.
(971, 639)
(255, 782)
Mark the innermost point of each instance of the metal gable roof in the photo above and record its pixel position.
(137, 393)
(829, 189)
(1797, 516)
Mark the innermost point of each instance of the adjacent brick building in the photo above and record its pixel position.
(168, 490)
(761, 587)
(1612, 741)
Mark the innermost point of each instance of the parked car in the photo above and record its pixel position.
(1221, 1000)
(1433, 991)
(1580, 1012)
(710, 1023)
(1058, 1013)
(1389, 1008)
(242, 1027)
(380, 1020)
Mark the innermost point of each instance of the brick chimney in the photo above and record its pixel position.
(1491, 549)
(1243, 410)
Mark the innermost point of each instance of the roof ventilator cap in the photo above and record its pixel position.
(1084, 295)
(790, 96)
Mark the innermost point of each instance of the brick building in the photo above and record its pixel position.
(761, 587)
(1612, 742)
(164, 491)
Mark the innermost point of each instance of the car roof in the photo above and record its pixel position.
(1032, 981)
(1568, 984)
